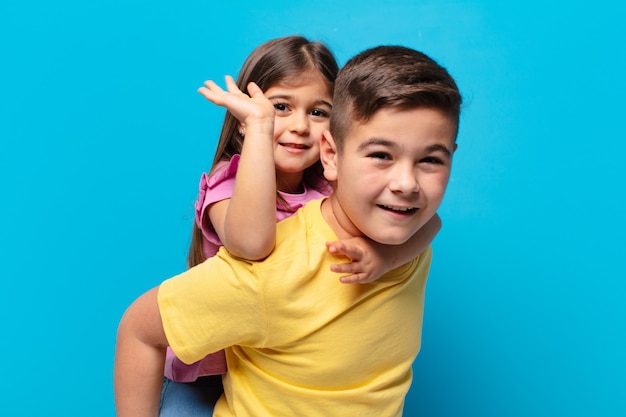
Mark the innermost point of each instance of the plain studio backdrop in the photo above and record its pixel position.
(103, 138)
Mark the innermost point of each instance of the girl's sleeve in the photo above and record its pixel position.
(216, 187)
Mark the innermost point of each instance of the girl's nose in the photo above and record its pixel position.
(300, 123)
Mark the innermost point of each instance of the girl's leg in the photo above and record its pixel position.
(193, 399)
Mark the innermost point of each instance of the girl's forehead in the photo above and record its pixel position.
(307, 77)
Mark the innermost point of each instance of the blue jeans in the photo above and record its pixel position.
(193, 399)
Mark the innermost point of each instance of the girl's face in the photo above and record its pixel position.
(303, 106)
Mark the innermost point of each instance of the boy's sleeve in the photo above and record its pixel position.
(212, 306)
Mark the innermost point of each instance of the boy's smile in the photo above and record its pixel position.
(391, 174)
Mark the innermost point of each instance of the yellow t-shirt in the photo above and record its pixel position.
(298, 342)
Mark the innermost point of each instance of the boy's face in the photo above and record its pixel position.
(391, 174)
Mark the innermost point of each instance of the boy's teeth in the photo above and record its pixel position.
(398, 208)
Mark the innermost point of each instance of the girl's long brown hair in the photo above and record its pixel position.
(269, 64)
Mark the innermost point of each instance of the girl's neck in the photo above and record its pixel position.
(290, 183)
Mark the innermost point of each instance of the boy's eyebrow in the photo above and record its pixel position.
(391, 144)
(376, 141)
(441, 148)
(288, 97)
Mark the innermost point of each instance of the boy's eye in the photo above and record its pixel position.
(281, 106)
(380, 155)
(432, 160)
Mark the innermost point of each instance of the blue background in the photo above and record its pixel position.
(103, 138)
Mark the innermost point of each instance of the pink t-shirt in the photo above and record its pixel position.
(214, 188)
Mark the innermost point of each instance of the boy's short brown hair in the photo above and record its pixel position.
(390, 76)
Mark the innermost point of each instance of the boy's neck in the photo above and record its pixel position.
(330, 207)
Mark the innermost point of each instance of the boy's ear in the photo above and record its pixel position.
(328, 155)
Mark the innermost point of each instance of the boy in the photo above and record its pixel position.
(298, 342)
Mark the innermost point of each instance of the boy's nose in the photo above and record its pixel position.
(404, 181)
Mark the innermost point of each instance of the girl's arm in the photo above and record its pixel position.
(246, 223)
(370, 260)
(139, 358)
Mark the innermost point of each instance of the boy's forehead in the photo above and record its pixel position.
(413, 125)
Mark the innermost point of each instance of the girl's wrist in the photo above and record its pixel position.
(264, 126)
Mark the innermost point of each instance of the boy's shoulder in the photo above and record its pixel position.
(304, 234)
(307, 220)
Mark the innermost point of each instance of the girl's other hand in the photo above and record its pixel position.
(365, 265)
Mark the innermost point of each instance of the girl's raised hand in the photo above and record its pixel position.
(246, 108)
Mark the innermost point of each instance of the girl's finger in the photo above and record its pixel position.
(349, 279)
(231, 85)
(211, 85)
(335, 248)
(359, 278)
(253, 89)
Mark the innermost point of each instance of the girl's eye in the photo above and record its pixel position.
(281, 107)
(319, 113)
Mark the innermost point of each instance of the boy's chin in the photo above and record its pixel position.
(394, 237)
(390, 239)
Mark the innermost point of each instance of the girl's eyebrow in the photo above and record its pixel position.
(284, 96)
(324, 102)
(289, 97)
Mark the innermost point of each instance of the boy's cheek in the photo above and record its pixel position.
(439, 182)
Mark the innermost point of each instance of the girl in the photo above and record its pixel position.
(265, 178)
